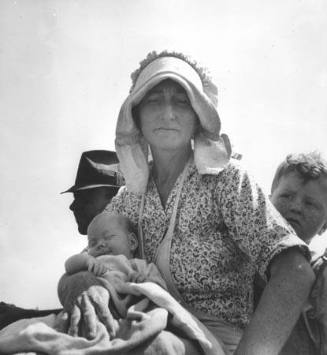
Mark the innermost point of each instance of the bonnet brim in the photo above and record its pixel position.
(211, 151)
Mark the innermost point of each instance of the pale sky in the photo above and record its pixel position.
(64, 72)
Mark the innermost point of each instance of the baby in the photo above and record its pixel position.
(112, 246)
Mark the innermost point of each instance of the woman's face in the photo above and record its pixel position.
(166, 117)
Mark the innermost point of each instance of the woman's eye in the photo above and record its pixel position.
(152, 100)
(182, 101)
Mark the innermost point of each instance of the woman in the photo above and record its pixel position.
(201, 219)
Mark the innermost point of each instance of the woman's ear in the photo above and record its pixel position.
(133, 242)
(323, 229)
(136, 116)
(197, 127)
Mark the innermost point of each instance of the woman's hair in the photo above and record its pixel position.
(310, 166)
(202, 71)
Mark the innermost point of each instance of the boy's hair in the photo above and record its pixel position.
(310, 166)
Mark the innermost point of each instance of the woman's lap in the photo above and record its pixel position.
(167, 343)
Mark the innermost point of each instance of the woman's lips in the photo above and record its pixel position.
(165, 129)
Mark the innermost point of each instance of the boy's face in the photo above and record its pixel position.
(109, 236)
(302, 203)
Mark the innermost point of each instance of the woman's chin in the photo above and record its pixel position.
(169, 144)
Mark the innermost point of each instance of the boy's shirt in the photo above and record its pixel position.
(315, 315)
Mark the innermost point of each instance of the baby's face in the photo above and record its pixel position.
(108, 237)
(302, 203)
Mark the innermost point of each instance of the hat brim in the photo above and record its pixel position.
(87, 187)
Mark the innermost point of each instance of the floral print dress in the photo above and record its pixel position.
(226, 229)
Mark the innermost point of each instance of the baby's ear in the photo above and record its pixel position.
(133, 242)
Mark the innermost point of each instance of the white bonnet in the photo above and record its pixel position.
(211, 150)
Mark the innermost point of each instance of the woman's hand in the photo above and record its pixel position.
(86, 300)
(90, 306)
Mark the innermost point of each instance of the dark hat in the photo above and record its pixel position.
(97, 168)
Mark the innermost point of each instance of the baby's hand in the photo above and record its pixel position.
(96, 267)
(137, 277)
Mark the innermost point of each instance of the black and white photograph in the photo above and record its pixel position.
(163, 177)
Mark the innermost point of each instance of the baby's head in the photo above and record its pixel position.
(111, 235)
(299, 192)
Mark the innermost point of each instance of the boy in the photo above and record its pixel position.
(299, 193)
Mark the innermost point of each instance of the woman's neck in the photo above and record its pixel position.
(167, 166)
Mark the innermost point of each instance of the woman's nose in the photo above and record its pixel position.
(169, 112)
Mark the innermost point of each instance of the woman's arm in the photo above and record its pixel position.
(280, 305)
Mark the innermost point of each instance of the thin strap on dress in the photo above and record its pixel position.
(162, 257)
(139, 227)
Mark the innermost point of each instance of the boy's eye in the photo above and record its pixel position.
(311, 203)
(285, 195)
